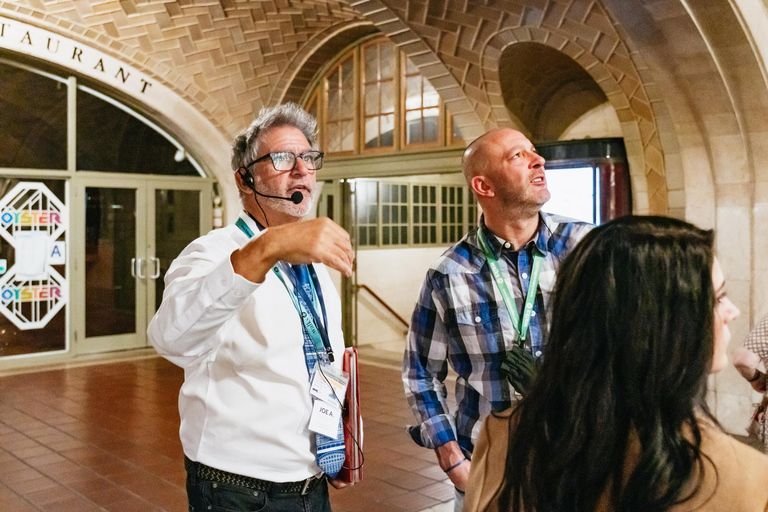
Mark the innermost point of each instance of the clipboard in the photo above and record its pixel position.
(352, 469)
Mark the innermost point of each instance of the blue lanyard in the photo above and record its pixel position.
(306, 307)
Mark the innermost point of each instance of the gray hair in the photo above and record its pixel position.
(246, 145)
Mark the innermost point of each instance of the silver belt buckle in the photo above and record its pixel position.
(307, 482)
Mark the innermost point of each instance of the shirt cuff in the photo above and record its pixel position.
(434, 432)
(228, 287)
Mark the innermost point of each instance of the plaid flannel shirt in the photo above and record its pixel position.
(757, 340)
(461, 318)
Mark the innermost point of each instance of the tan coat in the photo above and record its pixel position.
(741, 486)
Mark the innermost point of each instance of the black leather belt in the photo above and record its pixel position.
(216, 475)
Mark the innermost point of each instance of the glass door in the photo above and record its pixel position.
(177, 214)
(133, 231)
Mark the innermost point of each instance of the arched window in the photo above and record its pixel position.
(372, 102)
(110, 137)
(373, 99)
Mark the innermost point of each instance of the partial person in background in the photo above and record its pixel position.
(251, 314)
(483, 298)
(748, 357)
(617, 419)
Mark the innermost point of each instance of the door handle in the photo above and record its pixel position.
(133, 268)
(156, 261)
(139, 264)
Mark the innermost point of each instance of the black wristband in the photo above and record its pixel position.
(758, 374)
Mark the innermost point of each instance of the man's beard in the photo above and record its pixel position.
(284, 205)
(522, 202)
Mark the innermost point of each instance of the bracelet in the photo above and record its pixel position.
(758, 374)
(455, 465)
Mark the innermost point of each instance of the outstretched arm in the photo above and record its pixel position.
(314, 241)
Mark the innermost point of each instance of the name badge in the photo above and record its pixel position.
(329, 384)
(325, 419)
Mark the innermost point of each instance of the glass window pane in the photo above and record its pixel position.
(110, 244)
(387, 60)
(347, 89)
(111, 140)
(430, 96)
(371, 59)
(334, 137)
(33, 120)
(372, 238)
(410, 68)
(416, 238)
(363, 240)
(333, 95)
(371, 100)
(177, 223)
(388, 130)
(430, 129)
(385, 235)
(387, 97)
(373, 213)
(413, 92)
(372, 132)
(403, 235)
(433, 234)
(348, 136)
(404, 213)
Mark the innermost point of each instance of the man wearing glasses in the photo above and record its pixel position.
(250, 313)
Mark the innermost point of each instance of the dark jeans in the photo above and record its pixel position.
(205, 495)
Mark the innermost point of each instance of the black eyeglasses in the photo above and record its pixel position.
(286, 160)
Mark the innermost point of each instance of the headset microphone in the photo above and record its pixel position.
(296, 198)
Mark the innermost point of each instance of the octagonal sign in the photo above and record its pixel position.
(32, 219)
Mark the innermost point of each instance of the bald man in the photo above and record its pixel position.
(467, 317)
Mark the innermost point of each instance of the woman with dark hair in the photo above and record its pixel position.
(616, 419)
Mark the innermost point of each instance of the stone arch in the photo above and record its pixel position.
(160, 71)
(628, 98)
(319, 50)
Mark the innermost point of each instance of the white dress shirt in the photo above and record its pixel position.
(245, 402)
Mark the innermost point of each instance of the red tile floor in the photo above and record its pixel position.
(105, 437)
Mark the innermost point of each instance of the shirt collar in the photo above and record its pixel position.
(540, 239)
(251, 222)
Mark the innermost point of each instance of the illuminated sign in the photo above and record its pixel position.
(29, 218)
(29, 293)
(32, 291)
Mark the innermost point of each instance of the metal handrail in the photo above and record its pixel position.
(384, 304)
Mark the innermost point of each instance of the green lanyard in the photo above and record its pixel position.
(521, 325)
